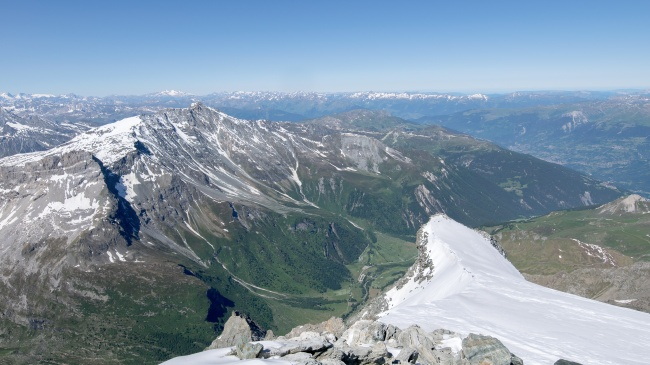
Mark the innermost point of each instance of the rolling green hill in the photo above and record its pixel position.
(601, 253)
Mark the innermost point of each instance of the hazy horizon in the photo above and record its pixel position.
(432, 92)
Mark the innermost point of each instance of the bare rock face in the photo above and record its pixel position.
(407, 355)
(365, 342)
(364, 332)
(416, 338)
(238, 330)
(485, 350)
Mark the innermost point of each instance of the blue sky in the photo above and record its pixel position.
(136, 47)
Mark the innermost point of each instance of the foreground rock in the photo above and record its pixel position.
(480, 350)
(239, 329)
(365, 342)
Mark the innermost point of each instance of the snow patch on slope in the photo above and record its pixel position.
(474, 289)
(596, 251)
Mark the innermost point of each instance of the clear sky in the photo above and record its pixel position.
(93, 47)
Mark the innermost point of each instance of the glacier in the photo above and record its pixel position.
(473, 288)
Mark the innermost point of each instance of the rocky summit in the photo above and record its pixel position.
(364, 342)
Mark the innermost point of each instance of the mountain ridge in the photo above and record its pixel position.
(472, 288)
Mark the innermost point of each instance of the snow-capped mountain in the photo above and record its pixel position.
(125, 167)
(208, 156)
(284, 106)
(462, 283)
(171, 93)
(26, 134)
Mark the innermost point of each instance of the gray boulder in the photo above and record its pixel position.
(331, 362)
(239, 329)
(333, 355)
(378, 355)
(248, 350)
(364, 332)
(485, 350)
(392, 332)
(407, 355)
(299, 357)
(416, 338)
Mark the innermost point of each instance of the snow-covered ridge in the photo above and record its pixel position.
(273, 95)
(414, 96)
(474, 289)
(172, 93)
(109, 143)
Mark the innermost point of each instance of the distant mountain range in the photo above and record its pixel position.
(608, 139)
(279, 106)
(604, 134)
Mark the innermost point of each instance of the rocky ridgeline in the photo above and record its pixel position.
(364, 342)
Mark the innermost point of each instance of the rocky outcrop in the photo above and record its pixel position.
(484, 350)
(366, 342)
(333, 325)
(420, 271)
(239, 329)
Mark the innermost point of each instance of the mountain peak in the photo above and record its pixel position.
(172, 93)
(197, 106)
(633, 203)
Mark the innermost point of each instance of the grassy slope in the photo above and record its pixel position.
(546, 249)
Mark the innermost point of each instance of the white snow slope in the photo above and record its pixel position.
(475, 289)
